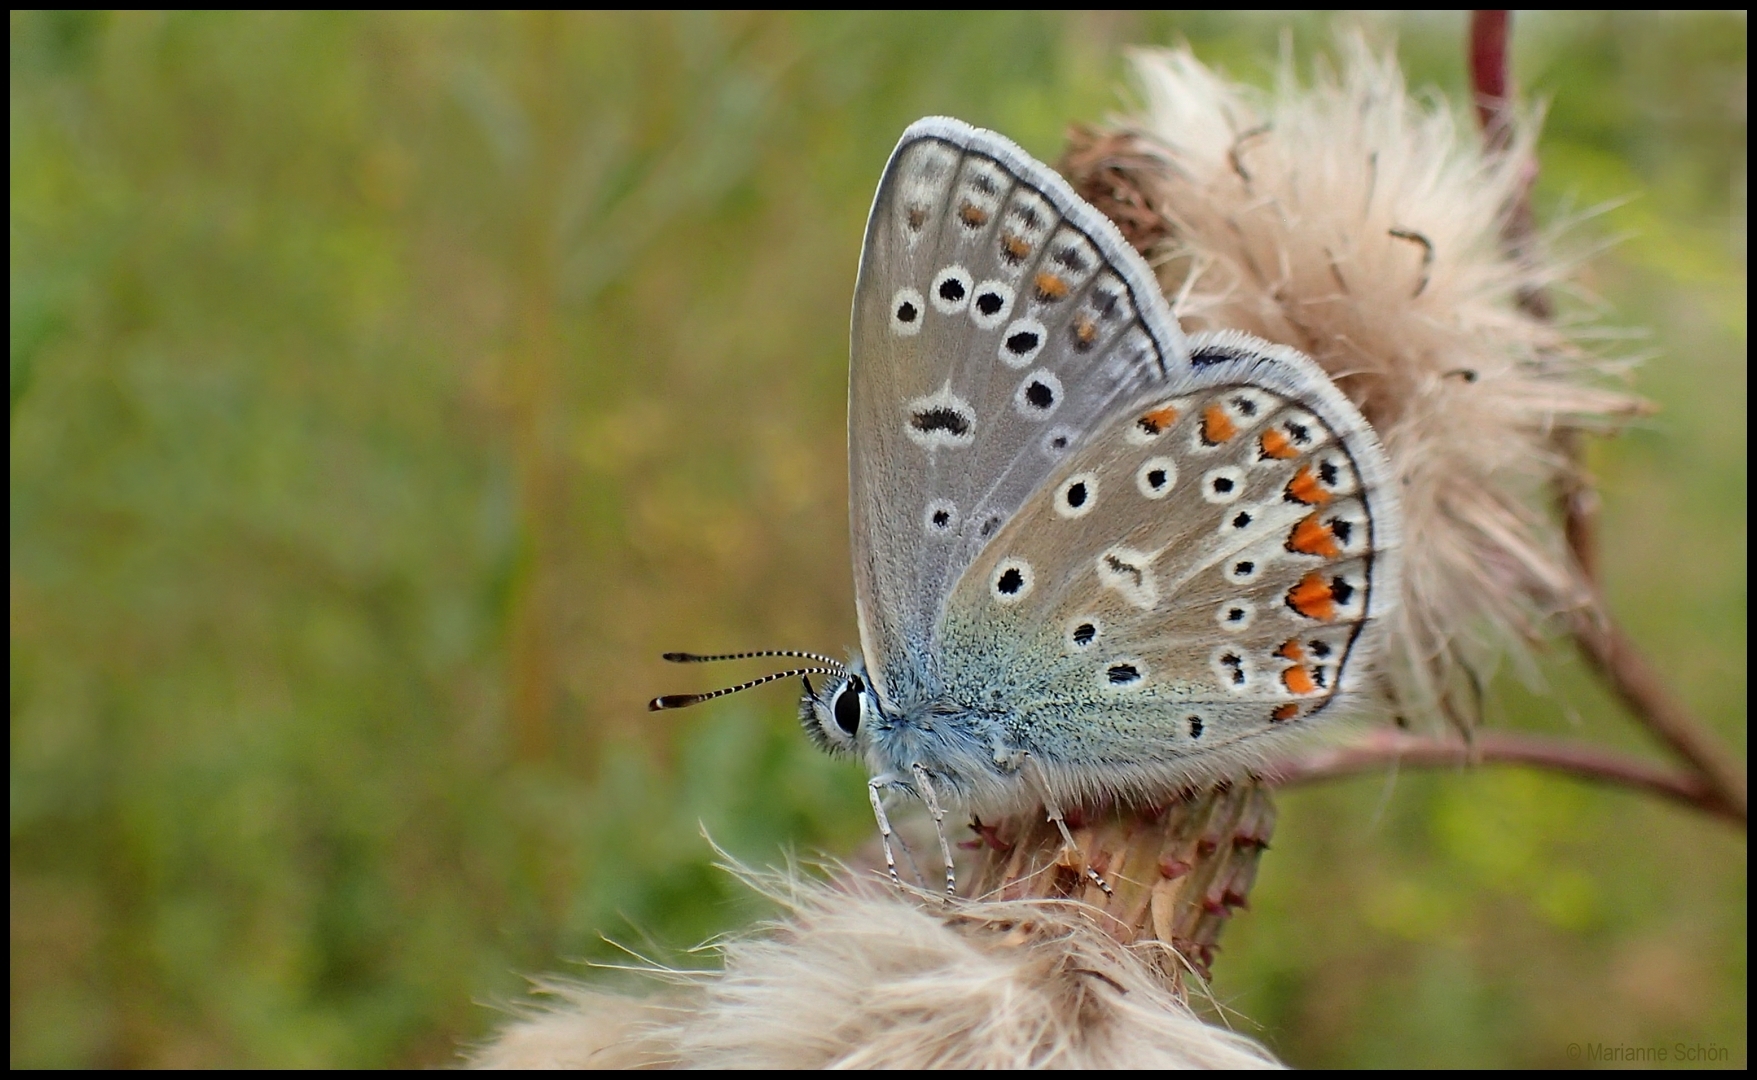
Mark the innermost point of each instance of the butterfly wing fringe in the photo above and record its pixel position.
(1365, 227)
(856, 974)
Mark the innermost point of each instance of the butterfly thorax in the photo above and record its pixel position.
(959, 738)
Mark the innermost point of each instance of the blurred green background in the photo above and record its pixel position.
(387, 391)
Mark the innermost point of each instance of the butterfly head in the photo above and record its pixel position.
(835, 714)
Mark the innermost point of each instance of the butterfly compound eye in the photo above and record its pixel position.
(847, 706)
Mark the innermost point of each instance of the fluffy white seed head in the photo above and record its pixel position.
(861, 975)
(1363, 226)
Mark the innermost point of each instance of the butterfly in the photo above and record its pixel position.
(1094, 558)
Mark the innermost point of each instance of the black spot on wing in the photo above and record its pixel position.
(941, 419)
(1123, 674)
(1123, 567)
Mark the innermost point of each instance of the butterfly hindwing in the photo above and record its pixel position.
(1189, 585)
(995, 326)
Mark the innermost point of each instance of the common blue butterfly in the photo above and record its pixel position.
(1093, 558)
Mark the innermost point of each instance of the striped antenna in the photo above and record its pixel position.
(696, 658)
(678, 701)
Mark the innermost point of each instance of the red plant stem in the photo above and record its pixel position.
(1580, 760)
(1492, 82)
(1598, 637)
(1488, 73)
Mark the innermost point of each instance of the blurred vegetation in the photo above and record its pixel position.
(387, 391)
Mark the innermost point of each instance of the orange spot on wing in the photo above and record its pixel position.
(1304, 487)
(1285, 712)
(1050, 287)
(1217, 427)
(1291, 650)
(1312, 598)
(1298, 680)
(972, 215)
(1313, 537)
(1158, 420)
(1085, 330)
(917, 217)
(1277, 445)
(1015, 247)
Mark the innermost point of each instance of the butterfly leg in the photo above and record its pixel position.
(939, 827)
(1054, 812)
(884, 824)
(902, 840)
(1068, 844)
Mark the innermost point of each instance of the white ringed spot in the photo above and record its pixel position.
(1021, 342)
(1239, 519)
(1083, 631)
(1236, 615)
(1223, 485)
(1077, 495)
(1039, 395)
(1244, 568)
(1012, 581)
(1156, 477)
(989, 307)
(907, 310)
(940, 518)
(1057, 440)
(950, 291)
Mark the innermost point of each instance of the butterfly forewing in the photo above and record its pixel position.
(997, 321)
(1191, 582)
